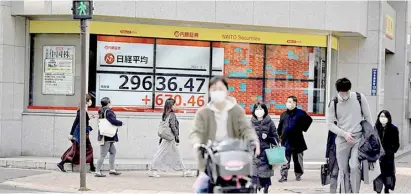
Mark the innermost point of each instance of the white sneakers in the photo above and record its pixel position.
(153, 174)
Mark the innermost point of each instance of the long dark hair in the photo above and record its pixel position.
(168, 107)
(387, 114)
(263, 106)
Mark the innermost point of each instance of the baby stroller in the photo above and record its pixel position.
(229, 165)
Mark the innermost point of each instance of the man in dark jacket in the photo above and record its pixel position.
(331, 156)
(293, 122)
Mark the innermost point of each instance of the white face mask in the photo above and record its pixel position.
(290, 106)
(218, 96)
(344, 95)
(383, 120)
(259, 113)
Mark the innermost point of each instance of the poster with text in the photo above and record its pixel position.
(58, 70)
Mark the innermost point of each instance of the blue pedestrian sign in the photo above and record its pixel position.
(374, 82)
(82, 9)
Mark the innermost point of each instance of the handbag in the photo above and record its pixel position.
(325, 174)
(105, 127)
(164, 130)
(276, 154)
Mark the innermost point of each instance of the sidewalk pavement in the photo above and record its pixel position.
(138, 182)
(50, 163)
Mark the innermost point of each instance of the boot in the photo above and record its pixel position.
(61, 166)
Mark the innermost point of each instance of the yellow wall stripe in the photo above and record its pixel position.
(178, 32)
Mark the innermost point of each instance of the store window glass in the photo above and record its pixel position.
(54, 76)
(124, 71)
(182, 73)
(243, 65)
(295, 71)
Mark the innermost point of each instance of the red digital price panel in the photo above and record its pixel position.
(242, 60)
(288, 62)
(246, 91)
(277, 93)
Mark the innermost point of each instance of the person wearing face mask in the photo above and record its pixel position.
(72, 155)
(389, 136)
(221, 118)
(107, 143)
(267, 134)
(168, 157)
(344, 119)
(293, 122)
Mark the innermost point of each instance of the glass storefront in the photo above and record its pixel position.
(140, 73)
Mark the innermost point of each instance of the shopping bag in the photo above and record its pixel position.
(106, 128)
(276, 155)
(164, 130)
(325, 174)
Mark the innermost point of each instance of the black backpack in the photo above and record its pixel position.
(370, 147)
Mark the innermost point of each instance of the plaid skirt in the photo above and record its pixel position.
(72, 154)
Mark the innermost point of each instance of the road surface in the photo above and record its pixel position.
(9, 173)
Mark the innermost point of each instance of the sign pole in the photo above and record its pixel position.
(83, 40)
(83, 10)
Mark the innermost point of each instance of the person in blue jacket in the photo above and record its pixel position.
(331, 156)
(107, 143)
(72, 155)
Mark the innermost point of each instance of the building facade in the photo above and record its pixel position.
(141, 53)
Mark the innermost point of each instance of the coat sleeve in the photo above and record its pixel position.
(305, 121)
(197, 131)
(395, 141)
(173, 125)
(272, 137)
(280, 126)
(75, 123)
(111, 117)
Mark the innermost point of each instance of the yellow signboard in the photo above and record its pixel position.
(179, 32)
(389, 27)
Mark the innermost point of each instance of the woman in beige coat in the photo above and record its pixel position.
(219, 119)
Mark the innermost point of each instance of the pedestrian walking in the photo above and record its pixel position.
(389, 136)
(72, 155)
(293, 122)
(344, 118)
(107, 143)
(267, 135)
(221, 118)
(168, 157)
(331, 157)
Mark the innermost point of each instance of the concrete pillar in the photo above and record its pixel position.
(397, 73)
(12, 73)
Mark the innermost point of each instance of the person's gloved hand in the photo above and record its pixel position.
(177, 140)
(70, 137)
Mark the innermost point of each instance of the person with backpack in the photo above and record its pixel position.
(346, 114)
(331, 157)
(389, 136)
(293, 122)
(168, 157)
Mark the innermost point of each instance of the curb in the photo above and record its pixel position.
(48, 188)
(42, 165)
